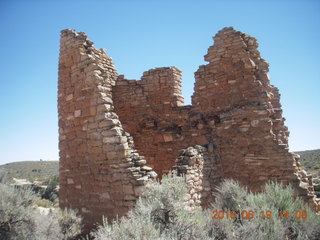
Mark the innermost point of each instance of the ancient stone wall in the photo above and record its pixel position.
(197, 165)
(233, 129)
(101, 173)
(251, 135)
(149, 110)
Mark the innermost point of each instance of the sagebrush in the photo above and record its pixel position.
(21, 220)
(161, 213)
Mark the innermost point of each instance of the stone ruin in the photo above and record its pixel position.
(116, 135)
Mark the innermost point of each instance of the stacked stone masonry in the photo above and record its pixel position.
(233, 129)
(101, 173)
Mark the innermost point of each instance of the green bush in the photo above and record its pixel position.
(69, 223)
(50, 193)
(160, 213)
(16, 214)
(21, 220)
(58, 225)
(275, 199)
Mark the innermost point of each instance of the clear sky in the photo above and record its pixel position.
(140, 35)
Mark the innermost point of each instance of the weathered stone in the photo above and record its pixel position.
(105, 195)
(146, 168)
(104, 108)
(114, 139)
(108, 123)
(70, 181)
(129, 197)
(116, 131)
(152, 174)
(69, 97)
(77, 113)
(233, 129)
(138, 190)
(167, 138)
(94, 149)
(128, 189)
(140, 162)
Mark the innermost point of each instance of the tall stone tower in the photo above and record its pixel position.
(233, 129)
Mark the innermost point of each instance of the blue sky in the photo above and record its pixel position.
(140, 35)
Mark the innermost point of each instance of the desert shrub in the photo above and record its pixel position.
(160, 213)
(44, 203)
(269, 203)
(16, 214)
(167, 209)
(230, 195)
(282, 199)
(3, 176)
(20, 219)
(47, 227)
(50, 192)
(58, 225)
(127, 228)
(69, 222)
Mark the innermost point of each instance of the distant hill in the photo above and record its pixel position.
(310, 161)
(41, 170)
(31, 170)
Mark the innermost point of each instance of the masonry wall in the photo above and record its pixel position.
(233, 129)
(251, 135)
(234, 110)
(149, 110)
(101, 173)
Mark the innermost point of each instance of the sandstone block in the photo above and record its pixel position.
(70, 181)
(115, 139)
(152, 174)
(116, 131)
(138, 190)
(104, 108)
(140, 162)
(146, 168)
(104, 196)
(123, 147)
(69, 97)
(128, 189)
(108, 123)
(129, 197)
(167, 138)
(105, 99)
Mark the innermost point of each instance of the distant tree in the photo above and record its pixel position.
(50, 193)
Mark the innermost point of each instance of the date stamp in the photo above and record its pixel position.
(245, 214)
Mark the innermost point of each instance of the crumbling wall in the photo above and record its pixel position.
(150, 109)
(198, 166)
(101, 173)
(234, 109)
(252, 138)
(234, 127)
